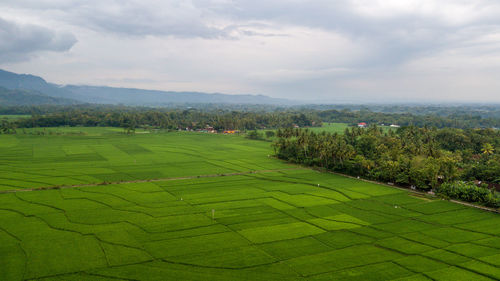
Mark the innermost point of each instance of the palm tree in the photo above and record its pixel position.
(488, 149)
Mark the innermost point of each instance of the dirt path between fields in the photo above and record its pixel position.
(150, 180)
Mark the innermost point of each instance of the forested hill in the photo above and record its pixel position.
(25, 97)
(27, 82)
(126, 96)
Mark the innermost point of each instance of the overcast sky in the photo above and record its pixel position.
(328, 50)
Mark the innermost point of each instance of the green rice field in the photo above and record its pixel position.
(338, 128)
(97, 204)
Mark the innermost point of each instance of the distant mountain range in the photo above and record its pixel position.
(26, 89)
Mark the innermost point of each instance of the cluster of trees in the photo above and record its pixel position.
(411, 156)
(469, 191)
(172, 119)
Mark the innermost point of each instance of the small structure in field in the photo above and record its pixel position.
(362, 125)
(394, 126)
(231, 132)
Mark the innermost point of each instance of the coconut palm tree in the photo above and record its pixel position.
(488, 149)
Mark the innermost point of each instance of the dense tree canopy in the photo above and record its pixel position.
(422, 157)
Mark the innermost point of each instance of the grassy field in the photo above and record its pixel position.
(263, 220)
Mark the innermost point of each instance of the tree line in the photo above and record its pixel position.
(441, 117)
(161, 119)
(423, 158)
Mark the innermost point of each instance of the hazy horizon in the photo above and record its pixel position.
(312, 51)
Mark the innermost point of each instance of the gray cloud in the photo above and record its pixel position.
(409, 30)
(129, 17)
(285, 48)
(394, 36)
(138, 18)
(19, 42)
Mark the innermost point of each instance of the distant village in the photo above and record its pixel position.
(364, 125)
(212, 130)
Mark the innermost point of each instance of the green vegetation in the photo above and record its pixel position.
(470, 192)
(219, 208)
(339, 128)
(188, 119)
(76, 155)
(440, 117)
(331, 128)
(13, 117)
(419, 157)
(254, 116)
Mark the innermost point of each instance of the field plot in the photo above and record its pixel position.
(275, 224)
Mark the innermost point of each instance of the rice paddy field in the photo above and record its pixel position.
(338, 128)
(191, 206)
